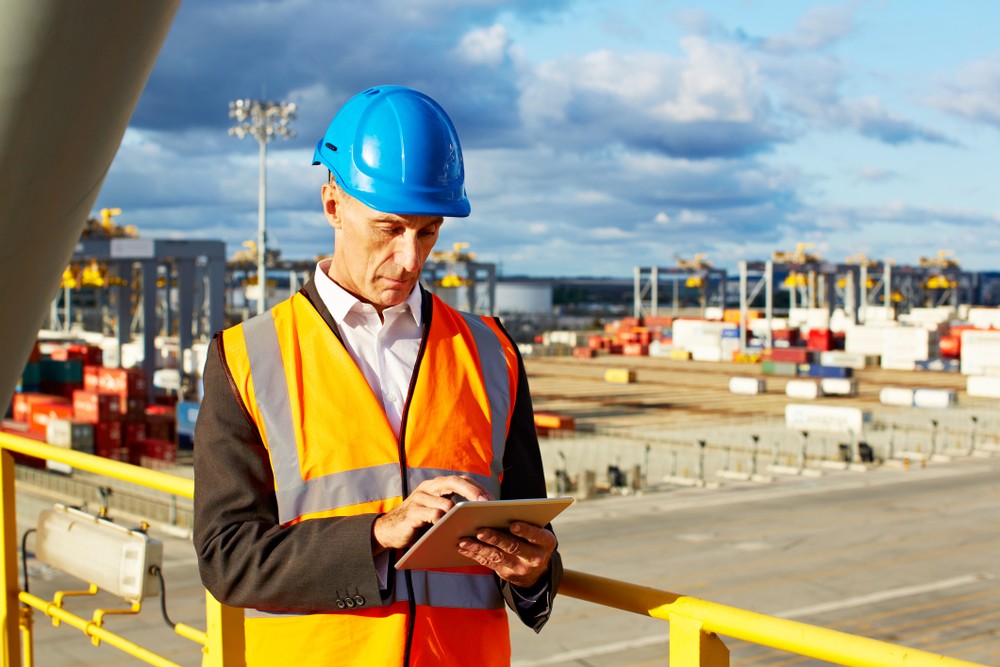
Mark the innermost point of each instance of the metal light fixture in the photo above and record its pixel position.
(264, 121)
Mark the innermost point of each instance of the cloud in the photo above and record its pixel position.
(709, 103)
(484, 46)
(578, 163)
(819, 28)
(973, 93)
(876, 175)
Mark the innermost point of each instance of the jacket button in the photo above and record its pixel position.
(340, 604)
(359, 600)
(350, 603)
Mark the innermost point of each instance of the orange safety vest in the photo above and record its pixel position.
(334, 453)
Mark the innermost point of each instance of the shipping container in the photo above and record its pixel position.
(584, 352)
(803, 389)
(612, 375)
(71, 434)
(853, 360)
(983, 386)
(795, 355)
(22, 403)
(780, 368)
(61, 372)
(934, 398)
(980, 351)
(896, 396)
(93, 406)
(826, 418)
(821, 371)
(747, 386)
(41, 413)
(838, 387)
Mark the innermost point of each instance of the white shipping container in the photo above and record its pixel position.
(896, 396)
(809, 318)
(660, 349)
(983, 386)
(980, 351)
(706, 352)
(747, 386)
(984, 318)
(807, 389)
(825, 418)
(911, 343)
(838, 386)
(934, 398)
(854, 360)
(70, 435)
(893, 363)
(865, 340)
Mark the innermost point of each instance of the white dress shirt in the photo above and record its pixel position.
(385, 351)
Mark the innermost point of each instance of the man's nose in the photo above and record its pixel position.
(407, 253)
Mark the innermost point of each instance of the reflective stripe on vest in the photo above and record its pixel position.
(296, 496)
(456, 590)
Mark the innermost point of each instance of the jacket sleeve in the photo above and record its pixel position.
(246, 558)
(524, 477)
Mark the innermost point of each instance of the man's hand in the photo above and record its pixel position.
(520, 556)
(401, 526)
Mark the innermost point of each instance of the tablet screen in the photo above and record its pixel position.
(438, 547)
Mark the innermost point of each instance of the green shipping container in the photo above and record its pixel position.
(32, 375)
(782, 368)
(61, 372)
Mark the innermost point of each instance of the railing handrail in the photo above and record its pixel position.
(812, 641)
(693, 622)
(126, 472)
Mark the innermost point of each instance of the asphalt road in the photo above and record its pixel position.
(911, 557)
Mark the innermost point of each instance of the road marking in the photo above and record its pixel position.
(881, 596)
(847, 603)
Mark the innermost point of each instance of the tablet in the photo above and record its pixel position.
(438, 547)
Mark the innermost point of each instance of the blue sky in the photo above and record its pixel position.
(600, 135)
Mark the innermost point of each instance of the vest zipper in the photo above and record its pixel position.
(411, 602)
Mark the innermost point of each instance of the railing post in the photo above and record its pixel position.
(692, 646)
(9, 606)
(226, 646)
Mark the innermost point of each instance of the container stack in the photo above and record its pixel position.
(67, 398)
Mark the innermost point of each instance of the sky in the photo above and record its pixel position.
(599, 136)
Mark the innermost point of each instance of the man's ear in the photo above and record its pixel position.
(330, 194)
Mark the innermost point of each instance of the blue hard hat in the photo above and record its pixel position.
(395, 149)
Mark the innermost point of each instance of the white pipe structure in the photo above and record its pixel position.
(70, 76)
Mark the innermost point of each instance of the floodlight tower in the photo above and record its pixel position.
(264, 121)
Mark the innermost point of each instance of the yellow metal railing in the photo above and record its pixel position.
(221, 643)
(695, 625)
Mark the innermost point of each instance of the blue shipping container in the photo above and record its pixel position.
(820, 371)
(187, 415)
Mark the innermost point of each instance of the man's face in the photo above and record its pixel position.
(377, 256)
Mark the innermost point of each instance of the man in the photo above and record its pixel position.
(345, 420)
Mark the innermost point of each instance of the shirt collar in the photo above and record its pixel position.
(340, 302)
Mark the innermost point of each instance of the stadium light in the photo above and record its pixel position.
(264, 121)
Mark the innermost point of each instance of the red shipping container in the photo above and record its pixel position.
(107, 435)
(24, 400)
(133, 432)
(135, 452)
(819, 340)
(94, 406)
(123, 381)
(635, 350)
(133, 408)
(90, 354)
(92, 378)
(597, 342)
(584, 352)
(795, 355)
(615, 348)
(41, 413)
(113, 452)
(161, 450)
(21, 429)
